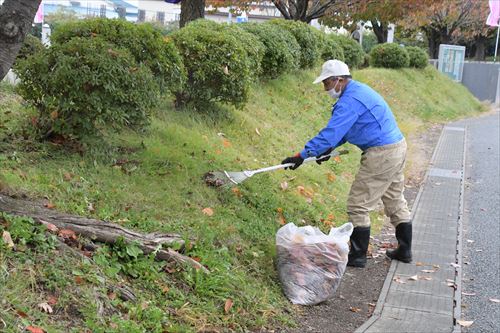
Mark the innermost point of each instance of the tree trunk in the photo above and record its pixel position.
(480, 45)
(101, 231)
(380, 30)
(191, 10)
(16, 17)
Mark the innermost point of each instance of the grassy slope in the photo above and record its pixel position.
(162, 190)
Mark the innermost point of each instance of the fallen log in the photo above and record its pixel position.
(98, 230)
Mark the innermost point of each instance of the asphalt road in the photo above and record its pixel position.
(481, 250)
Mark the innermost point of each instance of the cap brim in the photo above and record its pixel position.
(321, 78)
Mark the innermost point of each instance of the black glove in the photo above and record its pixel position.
(297, 160)
(320, 160)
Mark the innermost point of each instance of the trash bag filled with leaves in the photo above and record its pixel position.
(311, 263)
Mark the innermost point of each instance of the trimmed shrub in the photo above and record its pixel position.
(389, 55)
(353, 52)
(310, 51)
(332, 49)
(87, 85)
(218, 65)
(145, 43)
(278, 57)
(418, 57)
(251, 43)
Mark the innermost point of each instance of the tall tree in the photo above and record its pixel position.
(16, 17)
(475, 32)
(303, 10)
(440, 20)
(380, 13)
(191, 10)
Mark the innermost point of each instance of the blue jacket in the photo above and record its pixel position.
(361, 117)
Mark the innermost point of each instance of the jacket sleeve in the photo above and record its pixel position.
(333, 134)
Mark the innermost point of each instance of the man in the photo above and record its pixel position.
(362, 117)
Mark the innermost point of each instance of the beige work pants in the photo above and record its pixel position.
(380, 176)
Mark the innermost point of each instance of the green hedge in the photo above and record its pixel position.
(217, 62)
(87, 85)
(308, 41)
(418, 57)
(389, 55)
(353, 52)
(332, 49)
(146, 44)
(278, 57)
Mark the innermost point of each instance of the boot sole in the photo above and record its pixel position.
(405, 260)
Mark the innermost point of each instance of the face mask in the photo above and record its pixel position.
(334, 93)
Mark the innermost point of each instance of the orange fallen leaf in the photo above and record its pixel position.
(52, 300)
(34, 329)
(237, 192)
(228, 305)
(226, 143)
(337, 159)
(21, 314)
(50, 205)
(78, 280)
(354, 309)
(281, 217)
(331, 177)
(67, 234)
(208, 211)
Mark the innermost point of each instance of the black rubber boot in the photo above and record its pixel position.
(360, 239)
(403, 235)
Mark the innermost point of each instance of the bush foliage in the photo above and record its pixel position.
(146, 44)
(218, 65)
(389, 55)
(310, 50)
(85, 85)
(31, 46)
(353, 52)
(278, 58)
(418, 57)
(332, 49)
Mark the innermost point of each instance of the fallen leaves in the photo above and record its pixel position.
(257, 131)
(50, 205)
(465, 323)
(413, 278)
(494, 300)
(228, 305)
(354, 309)
(284, 186)
(34, 329)
(281, 217)
(67, 234)
(398, 280)
(45, 307)
(468, 294)
(208, 211)
(7, 239)
(331, 176)
(454, 265)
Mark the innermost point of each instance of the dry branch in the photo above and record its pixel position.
(98, 230)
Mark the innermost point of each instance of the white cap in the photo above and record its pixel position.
(332, 68)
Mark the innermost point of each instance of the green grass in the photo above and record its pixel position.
(161, 189)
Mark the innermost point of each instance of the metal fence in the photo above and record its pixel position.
(483, 80)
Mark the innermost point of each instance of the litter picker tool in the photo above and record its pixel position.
(232, 178)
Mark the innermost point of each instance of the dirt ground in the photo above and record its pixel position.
(360, 288)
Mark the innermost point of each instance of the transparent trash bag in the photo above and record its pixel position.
(311, 263)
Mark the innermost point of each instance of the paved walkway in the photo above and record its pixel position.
(425, 295)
